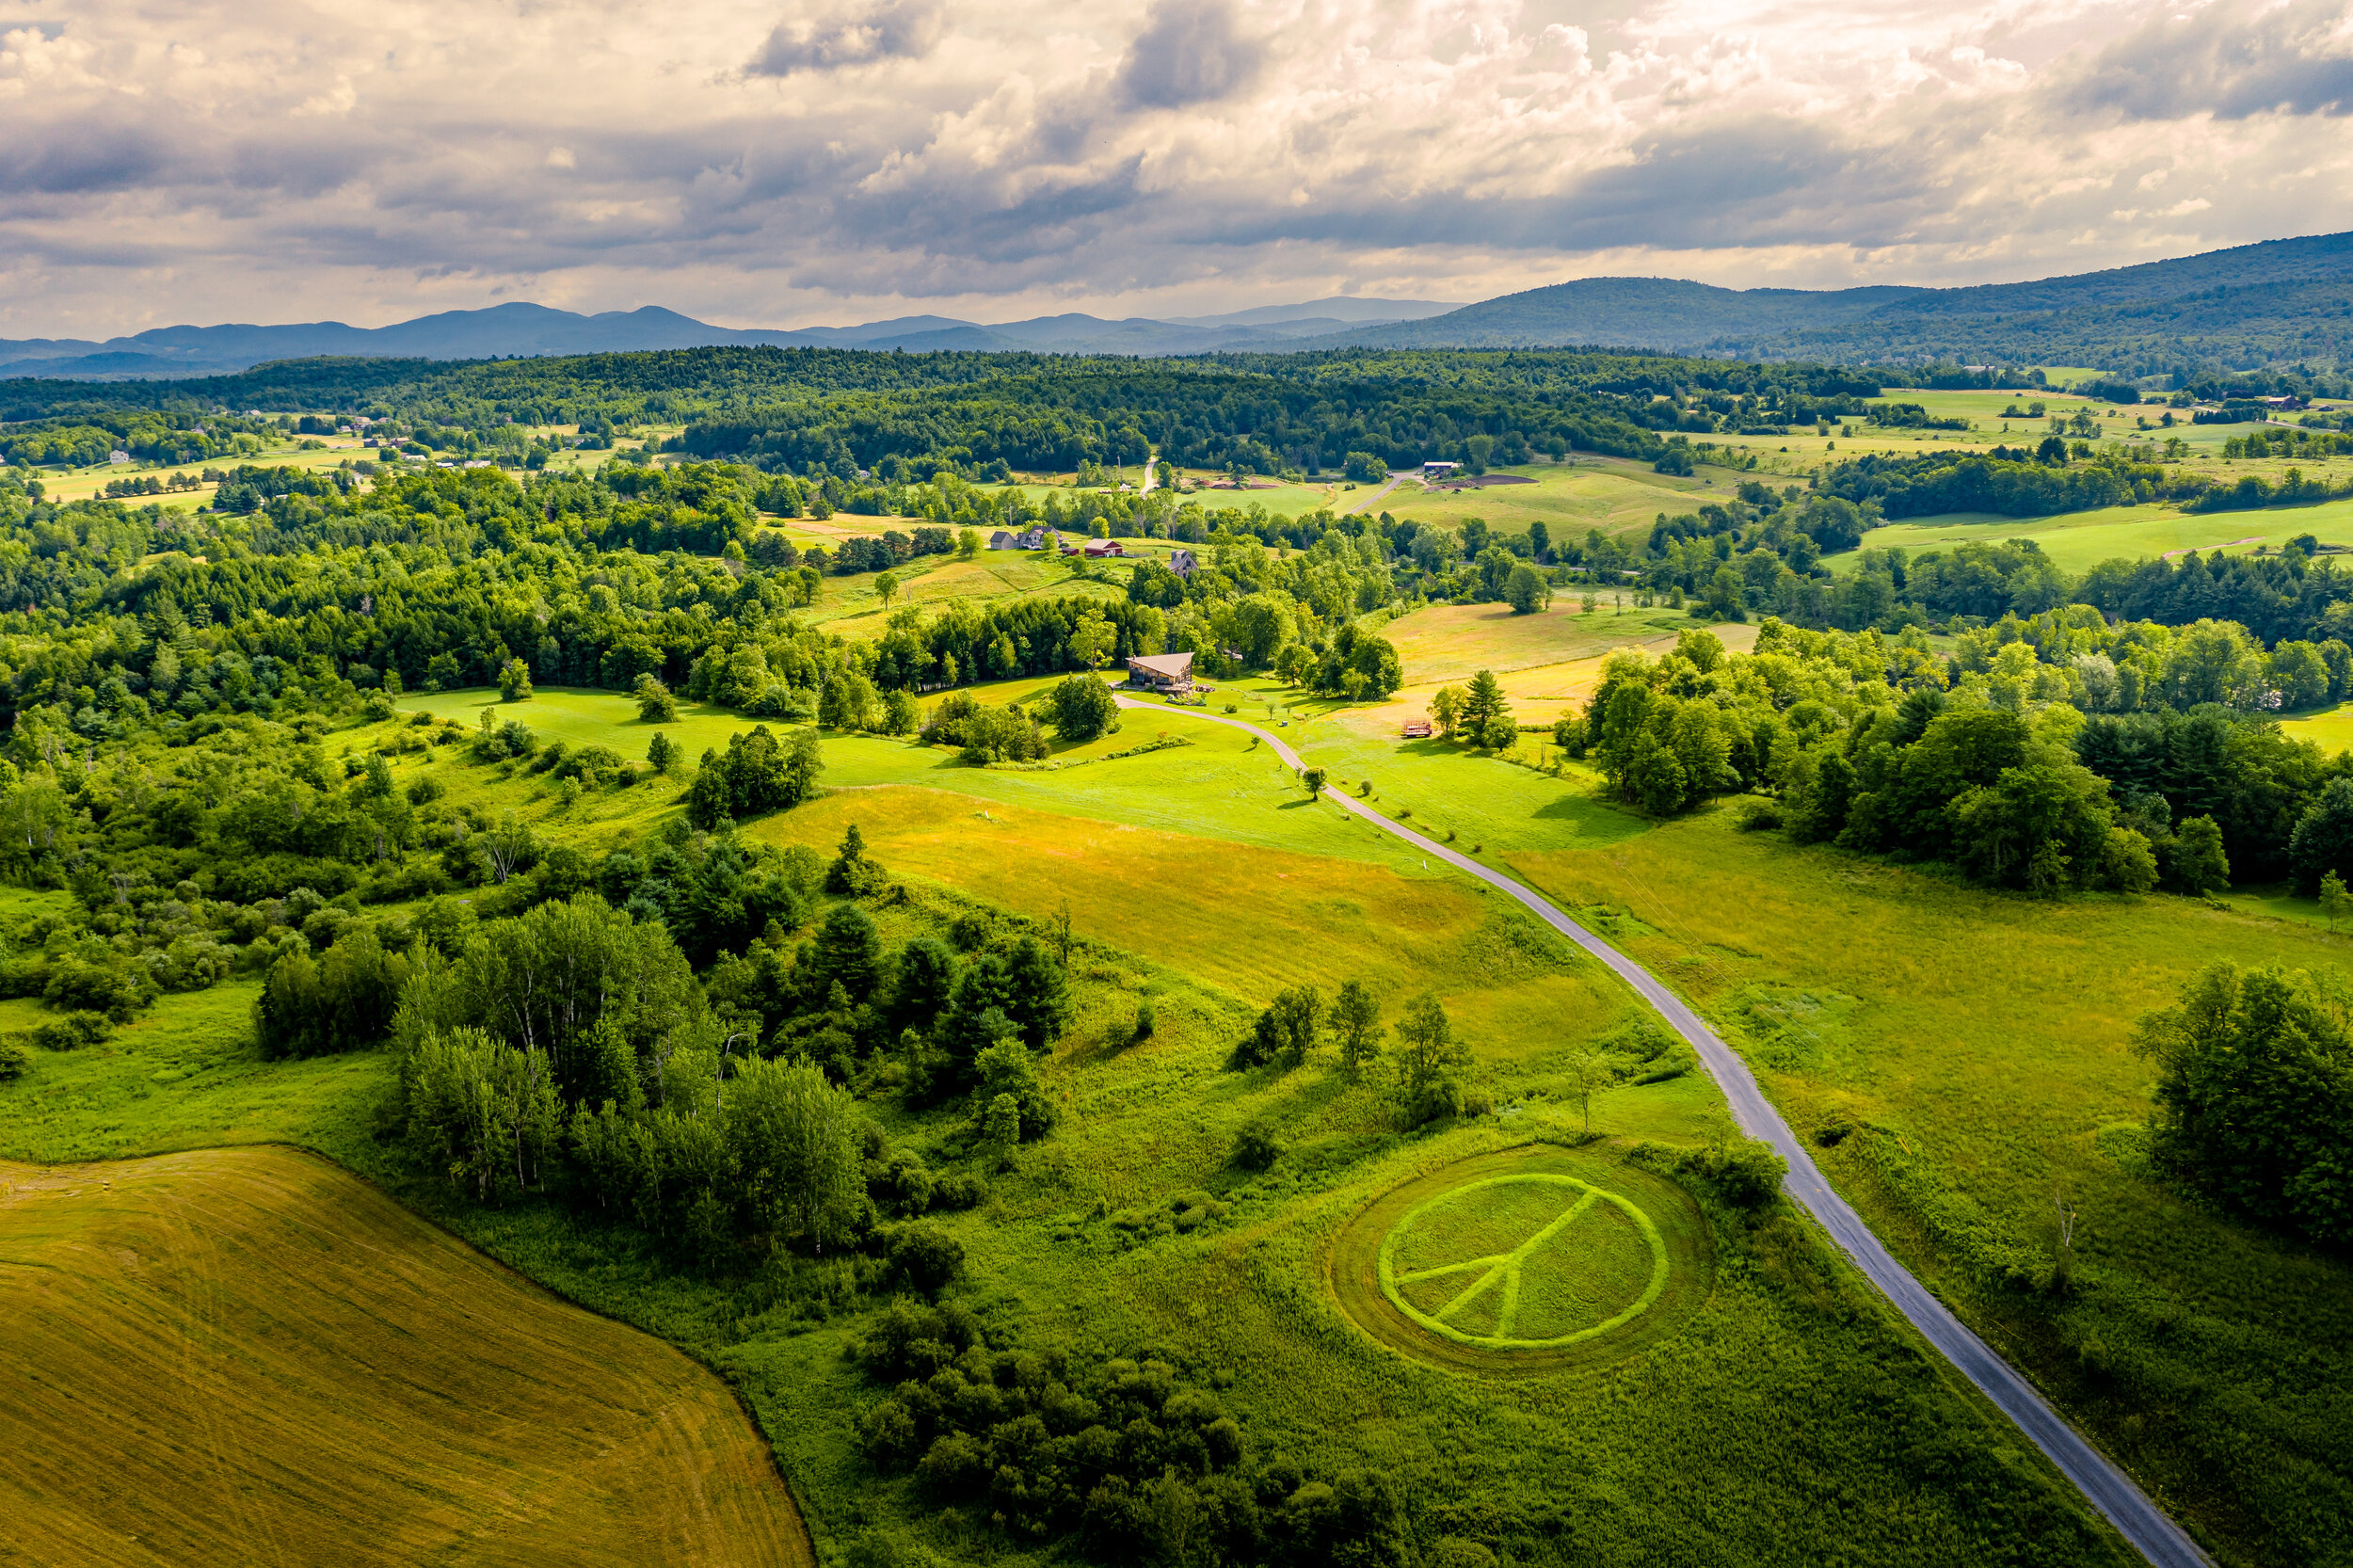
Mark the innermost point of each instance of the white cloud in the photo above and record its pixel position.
(854, 158)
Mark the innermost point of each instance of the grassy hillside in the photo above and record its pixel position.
(248, 1355)
(1977, 1044)
(1768, 1405)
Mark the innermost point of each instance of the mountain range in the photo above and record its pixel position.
(525, 330)
(2278, 302)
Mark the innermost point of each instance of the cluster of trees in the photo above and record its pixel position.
(2045, 755)
(1125, 1454)
(1420, 1070)
(756, 774)
(2254, 1096)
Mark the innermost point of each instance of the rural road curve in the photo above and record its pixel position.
(2140, 1521)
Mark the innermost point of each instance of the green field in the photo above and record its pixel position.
(2078, 541)
(1978, 1042)
(1609, 493)
(1534, 1259)
(2332, 729)
(315, 1375)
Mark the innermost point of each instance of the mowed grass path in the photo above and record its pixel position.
(1989, 1036)
(315, 1375)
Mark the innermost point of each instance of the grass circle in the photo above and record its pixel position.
(1530, 1259)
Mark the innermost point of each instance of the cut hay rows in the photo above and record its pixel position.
(248, 1356)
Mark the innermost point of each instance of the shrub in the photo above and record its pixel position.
(1256, 1147)
(927, 1255)
(1144, 1023)
(72, 1031)
(15, 1061)
(1756, 814)
(959, 1191)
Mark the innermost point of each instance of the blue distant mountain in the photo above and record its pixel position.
(526, 329)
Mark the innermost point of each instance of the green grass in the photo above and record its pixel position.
(1979, 1041)
(1525, 1259)
(1780, 1414)
(1611, 494)
(2078, 541)
(2331, 728)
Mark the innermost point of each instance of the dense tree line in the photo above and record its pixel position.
(2044, 755)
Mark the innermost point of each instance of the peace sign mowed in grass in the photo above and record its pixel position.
(1523, 1261)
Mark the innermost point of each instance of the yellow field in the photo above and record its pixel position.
(1545, 662)
(247, 1356)
(1250, 921)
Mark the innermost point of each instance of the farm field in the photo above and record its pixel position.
(2078, 541)
(1859, 992)
(1611, 494)
(316, 1375)
(1544, 662)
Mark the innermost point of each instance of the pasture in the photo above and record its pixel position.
(2076, 541)
(314, 1374)
(1570, 500)
(1978, 1044)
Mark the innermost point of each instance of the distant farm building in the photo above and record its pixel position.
(1098, 548)
(1162, 672)
(1182, 562)
(1438, 471)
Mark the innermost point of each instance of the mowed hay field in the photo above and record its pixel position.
(1546, 662)
(1570, 500)
(248, 1356)
(1978, 1045)
(2078, 541)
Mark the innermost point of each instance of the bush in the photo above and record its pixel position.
(15, 1061)
(959, 1191)
(1256, 1147)
(72, 1031)
(1746, 1174)
(1756, 814)
(927, 1255)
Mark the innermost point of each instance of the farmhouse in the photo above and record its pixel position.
(1097, 548)
(1182, 564)
(1162, 672)
(1031, 538)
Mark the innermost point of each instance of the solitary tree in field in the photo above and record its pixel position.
(1313, 778)
(661, 751)
(655, 705)
(887, 587)
(2335, 902)
(514, 681)
(1357, 1019)
(1588, 1071)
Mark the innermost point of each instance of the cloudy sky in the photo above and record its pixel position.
(796, 162)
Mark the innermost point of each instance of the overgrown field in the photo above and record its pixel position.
(1963, 1057)
(247, 1355)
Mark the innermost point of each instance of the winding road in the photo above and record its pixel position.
(2140, 1521)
